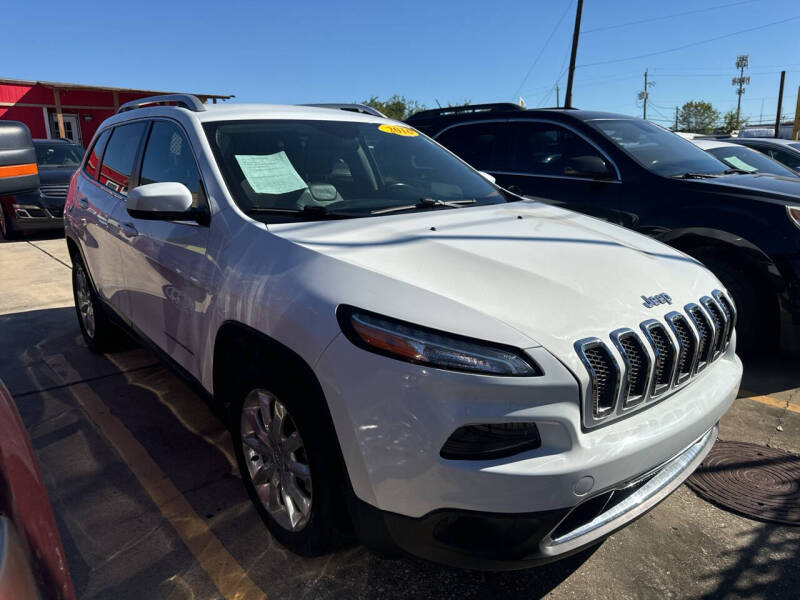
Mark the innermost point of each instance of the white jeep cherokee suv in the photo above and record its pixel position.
(399, 344)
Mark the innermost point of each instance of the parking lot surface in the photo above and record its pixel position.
(149, 504)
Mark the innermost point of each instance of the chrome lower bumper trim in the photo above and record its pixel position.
(667, 478)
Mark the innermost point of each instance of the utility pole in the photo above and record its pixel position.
(558, 102)
(643, 95)
(780, 106)
(676, 118)
(571, 76)
(742, 62)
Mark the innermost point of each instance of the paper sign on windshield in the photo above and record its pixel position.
(270, 173)
(737, 162)
(398, 130)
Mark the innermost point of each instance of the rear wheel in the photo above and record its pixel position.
(98, 331)
(287, 465)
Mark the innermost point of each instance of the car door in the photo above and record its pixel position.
(483, 145)
(557, 164)
(166, 267)
(101, 189)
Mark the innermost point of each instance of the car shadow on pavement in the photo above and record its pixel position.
(117, 542)
(771, 374)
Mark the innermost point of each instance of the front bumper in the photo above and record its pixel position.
(34, 212)
(505, 542)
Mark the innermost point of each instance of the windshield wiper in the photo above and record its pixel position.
(309, 212)
(691, 175)
(735, 171)
(425, 203)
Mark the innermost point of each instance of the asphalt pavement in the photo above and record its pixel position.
(150, 505)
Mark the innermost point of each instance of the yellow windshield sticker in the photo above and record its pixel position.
(398, 130)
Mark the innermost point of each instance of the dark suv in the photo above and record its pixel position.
(744, 227)
(42, 208)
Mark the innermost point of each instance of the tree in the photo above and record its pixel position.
(730, 122)
(396, 107)
(697, 117)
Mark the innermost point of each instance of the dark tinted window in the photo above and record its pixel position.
(120, 154)
(549, 149)
(483, 145)
(168, 157)
(790, 159)
(657, 149)
(93, 161)
(54, 155)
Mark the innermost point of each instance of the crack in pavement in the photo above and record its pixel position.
(50, 255)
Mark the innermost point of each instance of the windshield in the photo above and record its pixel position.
(52, 156)
(739, 157)
(657, 149)
(349, 169)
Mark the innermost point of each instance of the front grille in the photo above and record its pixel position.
(680, 347)
(665, 353)
(704, 333)
(720, 325)
(687, 346)
(603, 373)
(54, 191)
(637, 366)
(730, 313)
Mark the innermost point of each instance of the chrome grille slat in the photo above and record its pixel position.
(637, 366)
(665, 356)
(54, 191)
(604, 375)
(652, 364)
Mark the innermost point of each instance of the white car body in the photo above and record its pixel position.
(521, 274)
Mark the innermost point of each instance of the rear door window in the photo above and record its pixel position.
(168, 157)
(118, 159)
(483, 145)
(93, 162)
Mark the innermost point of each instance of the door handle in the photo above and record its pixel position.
(128, 230)
(83, 203)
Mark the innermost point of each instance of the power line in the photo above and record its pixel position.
(691, 45)
(544, 47)
(663, 17)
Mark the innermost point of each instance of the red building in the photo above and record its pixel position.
(68, 110)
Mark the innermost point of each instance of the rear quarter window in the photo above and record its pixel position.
(93, 162)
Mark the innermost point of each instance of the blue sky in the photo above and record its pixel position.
(292, 52)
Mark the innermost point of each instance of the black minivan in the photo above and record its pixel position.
(744, 227)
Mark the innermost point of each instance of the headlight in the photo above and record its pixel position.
(423, 346)
(794, 214)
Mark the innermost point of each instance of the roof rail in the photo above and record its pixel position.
(463, 110)
(187, 101)
(357, 108)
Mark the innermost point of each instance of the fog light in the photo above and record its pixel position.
(489, 441)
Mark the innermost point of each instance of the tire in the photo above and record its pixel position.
(287, 464)
(5, 225)
(99, 333)
(757, 313)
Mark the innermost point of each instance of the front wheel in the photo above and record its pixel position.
(287, 467)
(5, 225)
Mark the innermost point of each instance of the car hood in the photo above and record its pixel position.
(56, 175)
(553, 275)
(776, 187)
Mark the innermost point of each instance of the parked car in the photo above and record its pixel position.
(784, 151)
(32, 561)
(42, 208)
(398, 342)
(744, 227)
(743, 158)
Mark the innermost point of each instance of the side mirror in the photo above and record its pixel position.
(168, 201)
(487, 176)
(591, 167)
(18, 170)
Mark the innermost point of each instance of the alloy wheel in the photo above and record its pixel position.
(84, 298)
(276, 460)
